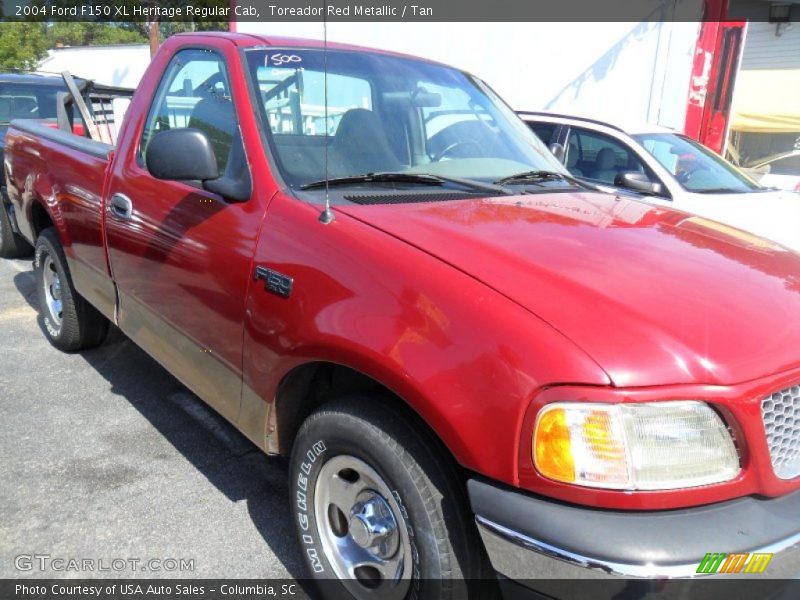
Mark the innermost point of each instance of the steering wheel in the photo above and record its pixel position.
(687, 174)
(450, 147)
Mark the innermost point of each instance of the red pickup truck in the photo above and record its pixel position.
(477, 363)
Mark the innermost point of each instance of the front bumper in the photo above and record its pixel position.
(532, 538)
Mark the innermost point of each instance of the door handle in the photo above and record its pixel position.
(121, 207)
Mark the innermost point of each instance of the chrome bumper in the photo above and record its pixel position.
(520, 557)
(532, 538)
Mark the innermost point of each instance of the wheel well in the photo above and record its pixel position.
(309, 386)
(40, 219)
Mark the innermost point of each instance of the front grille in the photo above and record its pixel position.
(781, 414)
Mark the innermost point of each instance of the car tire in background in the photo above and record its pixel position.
(70, 322)
(380, 507)
(12, 245)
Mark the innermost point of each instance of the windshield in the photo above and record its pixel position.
(386, 114)
(696, 168)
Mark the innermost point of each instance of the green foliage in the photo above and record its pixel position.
(168, 28)
(92, 34)
(22, 46)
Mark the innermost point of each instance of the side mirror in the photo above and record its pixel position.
(638, 182)
(558, 151)
(182, 154)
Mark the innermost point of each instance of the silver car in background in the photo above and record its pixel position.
(670, 169)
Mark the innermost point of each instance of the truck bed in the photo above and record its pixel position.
(68, 172)
(70, 140)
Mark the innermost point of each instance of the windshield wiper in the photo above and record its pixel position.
(419, 178)
(536, 176)
(719, 190)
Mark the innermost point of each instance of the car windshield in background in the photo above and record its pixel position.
(387, 114)
(696, 168)
(26, 102)
(783, 164)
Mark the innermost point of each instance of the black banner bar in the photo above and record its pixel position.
(412, 11)
(262, 589)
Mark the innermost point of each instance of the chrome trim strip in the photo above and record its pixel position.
(648, 571)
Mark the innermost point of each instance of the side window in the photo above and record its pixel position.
(786, 166)
(194, 92)
(598, 156)
(544, 131)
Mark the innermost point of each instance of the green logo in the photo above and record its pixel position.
(745, 562)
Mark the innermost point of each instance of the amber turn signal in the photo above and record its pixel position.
(552, 446)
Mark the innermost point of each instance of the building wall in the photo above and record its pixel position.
(121, 65)
(623, 72)
(763, 48)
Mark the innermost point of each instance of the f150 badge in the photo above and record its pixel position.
(274, 282)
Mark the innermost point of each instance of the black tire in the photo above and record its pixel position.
(78, 325)
(447, 556)
(12, 245)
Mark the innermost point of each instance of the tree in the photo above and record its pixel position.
(79, 33)
(22, 46)
(168, 28)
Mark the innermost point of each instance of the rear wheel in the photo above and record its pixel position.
(12, 245)
(70, 322)
(380, 507)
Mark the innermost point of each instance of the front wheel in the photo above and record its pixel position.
(380, 508)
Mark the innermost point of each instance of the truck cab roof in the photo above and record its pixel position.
(253, 40)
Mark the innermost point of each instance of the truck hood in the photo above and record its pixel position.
(774, 215)
(655, 296)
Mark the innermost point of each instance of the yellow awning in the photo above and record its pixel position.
(767, 101)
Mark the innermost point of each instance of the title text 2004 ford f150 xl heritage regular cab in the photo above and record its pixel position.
(474, 360)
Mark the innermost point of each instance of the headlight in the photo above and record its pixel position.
(648, 446)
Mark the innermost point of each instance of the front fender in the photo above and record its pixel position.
(465, 358)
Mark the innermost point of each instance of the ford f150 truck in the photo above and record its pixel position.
(477, 363)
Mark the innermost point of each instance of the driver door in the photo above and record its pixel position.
(180, 255)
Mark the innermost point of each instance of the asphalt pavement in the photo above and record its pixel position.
(105, 457)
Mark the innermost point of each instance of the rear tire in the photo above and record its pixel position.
(376, 497)
(12, 245)
(70, 322)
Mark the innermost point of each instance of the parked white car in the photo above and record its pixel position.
(780, 171)
(671, 169)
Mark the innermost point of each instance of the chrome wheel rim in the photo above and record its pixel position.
(362, 529)
(51, 282)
